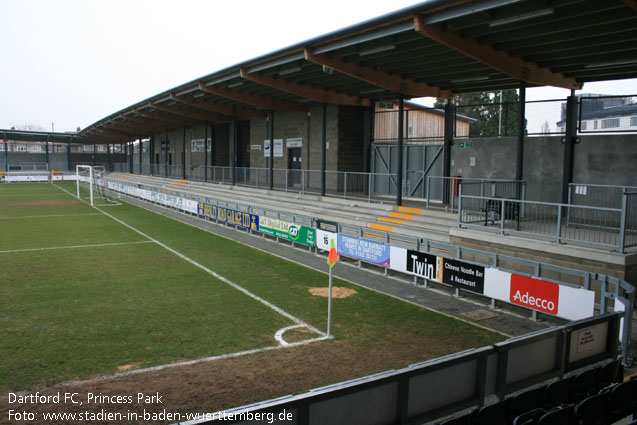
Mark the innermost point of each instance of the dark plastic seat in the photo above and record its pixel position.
(562, 415)
(529, 418)
(525, 401)
(493, 414)
(584, 384)
(610, 373)
(592, 410)
(557, 393)
(621, 399)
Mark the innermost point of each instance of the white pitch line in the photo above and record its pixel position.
(73, 247)
(279, 334)
(192, 362)
(212, 273)
(46, 216)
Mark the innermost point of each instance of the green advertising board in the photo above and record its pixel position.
(288, 231)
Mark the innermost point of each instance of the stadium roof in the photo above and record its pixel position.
(436, 48)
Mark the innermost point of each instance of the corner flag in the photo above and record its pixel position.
(332, 258)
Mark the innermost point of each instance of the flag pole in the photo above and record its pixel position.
(329, 307)
(332, 259)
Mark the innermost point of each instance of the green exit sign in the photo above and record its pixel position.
(386, 105)
(466, 144)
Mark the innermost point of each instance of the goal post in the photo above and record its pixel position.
(92, 177)
(82, 176)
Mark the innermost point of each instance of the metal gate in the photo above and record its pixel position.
(419, 162)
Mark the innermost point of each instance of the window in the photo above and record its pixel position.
(595, 125)
(633, 121)
(583, 125)
(610, 123)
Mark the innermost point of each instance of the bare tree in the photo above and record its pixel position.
(29, 127)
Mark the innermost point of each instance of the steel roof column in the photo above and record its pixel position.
(141, 149)
(131, 153)
(233, 127)
(324, 149)
(450, 121)
(205, 152)
(519, 157)
(399, 171)
(46, 147)
(570, 138)
(93, 156)
(151, 154)
(367, 138)
(183, 152)
(108, 157)
(271, 136)
(6, 153)
(164, 149)
(68, 156)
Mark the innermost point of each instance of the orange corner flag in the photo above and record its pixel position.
(332, 258)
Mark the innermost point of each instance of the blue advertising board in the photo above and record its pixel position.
(363, 249)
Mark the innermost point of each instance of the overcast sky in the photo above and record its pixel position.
(73, 62)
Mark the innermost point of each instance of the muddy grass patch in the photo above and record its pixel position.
(337, 292)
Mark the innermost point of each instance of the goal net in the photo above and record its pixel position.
(90, 186)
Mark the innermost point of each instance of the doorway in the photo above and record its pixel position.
(294, 166)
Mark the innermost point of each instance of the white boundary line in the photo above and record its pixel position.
(192, 362)
(47, 216)
(72, 247)
(211, 272)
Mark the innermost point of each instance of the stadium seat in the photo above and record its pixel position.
(610, 373)
(592, 410)
(525, 401)
(529, 418)
(557, 393)
(584, 384)
(562, 415)
(621, 399)
(493, 414)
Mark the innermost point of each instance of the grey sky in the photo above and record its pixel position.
(73, 62)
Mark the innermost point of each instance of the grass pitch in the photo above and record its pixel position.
(84, 295)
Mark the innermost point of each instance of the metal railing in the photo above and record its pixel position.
(612, 228)
(443, 192)
(597, 195)
(629, 219)
(343, 184)
(29, 166)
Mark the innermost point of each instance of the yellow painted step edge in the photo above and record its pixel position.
(402, 216)
(382, 227)
(390, 220)
(410, 210)
(372, 234)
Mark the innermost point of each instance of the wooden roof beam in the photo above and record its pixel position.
(305, 91)
(514, 67)
(378, 78)
(164, 119)
(124, 126)
(190, 114)
(258, 101)
(231, 111)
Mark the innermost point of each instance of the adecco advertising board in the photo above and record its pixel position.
(548, 297)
